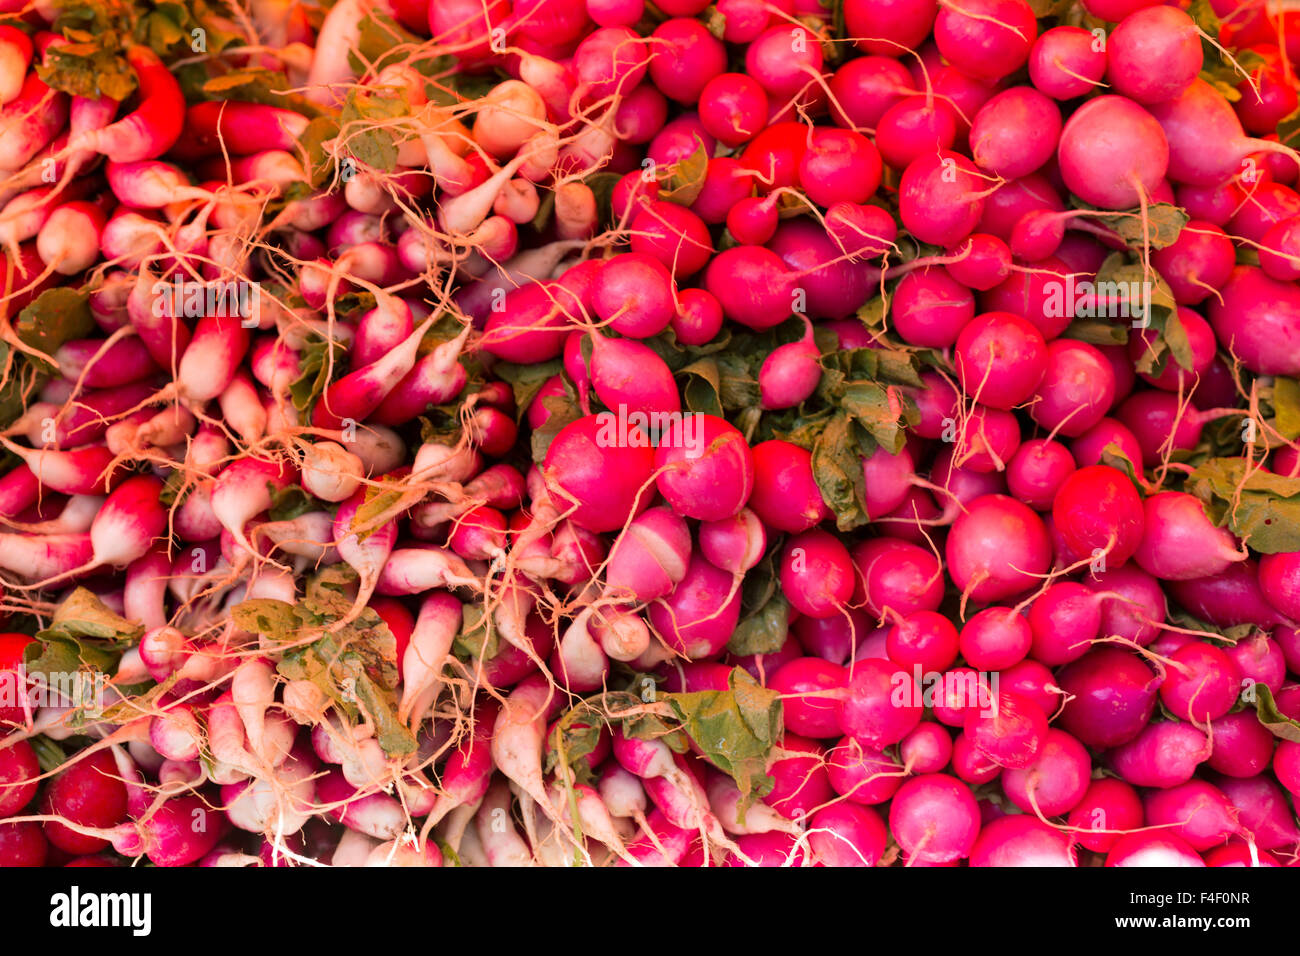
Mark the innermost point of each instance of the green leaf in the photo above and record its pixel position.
(526, 381)
(379, 42)
(477, 639)
(1262, 509)
(56, 317)
(1286, 406)
(602, 187)
(683, 181)
(764, 632)
(572, 739)
(1097, 332)
(365, 138)
(702, 390)
(1277, 722)
(314, 362)
(355, 666)
(291, 502)
(275, 620)
(92, 72)
(736, 729)
(84, 634)
(49, 754)
(320, 166)
(837, 469)
(1164, 224)
(81, 612)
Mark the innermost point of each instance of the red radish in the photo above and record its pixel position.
(1181, 542)
(1108, 809)
(90, 793)
(997, 548)
(1098, 512)
(650, 557)
(1153, 848)
(808, 708)
(1066, 62)
(1113, 153)
(1203, 683)
(934, 818)
(1011, 733)
(1113, 695)
(1057, 779)
(1021, 841)
(1161, 755)
(882, 704)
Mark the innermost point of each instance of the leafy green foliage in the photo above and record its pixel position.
(354, 665)
(1261, 508)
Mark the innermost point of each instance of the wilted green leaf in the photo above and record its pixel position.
(1262, 509)
(683, 181)
(1272, 718)
(736, 729)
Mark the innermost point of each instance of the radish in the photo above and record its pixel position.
(1113, 153)
(1055, 781)
(1021, 841)
(1161, 755)
(598, 476)
(1109, 808)
(934, 818)
(1112, 697)
(1152, 849)
(998, 547)
(1098, 511)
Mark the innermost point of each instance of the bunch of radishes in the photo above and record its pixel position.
(527, 433)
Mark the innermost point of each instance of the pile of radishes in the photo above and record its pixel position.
(529, 432)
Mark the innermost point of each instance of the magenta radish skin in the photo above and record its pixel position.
(847, 835)
(934, 818)
(808, 708)
(941, 197)
(699, 616)
(1161, 755)
(897, 575)
(1113, 695)
(1037, 470)
(923, 639)
(1153, 848)
(1107, 805)
(1011, 733)
(1055, 781)
(1098, 509)
(650, 557)
(1180, 542)
(816, 573)
(599, 483)
(1022, 841)
(1015, 132)
(997, 548)
(1064, 62)
(930, 308)
(1202, 684)
(995, 638)
(862, 775)
(1001, 358)
(1112, 153)
(882, 704)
